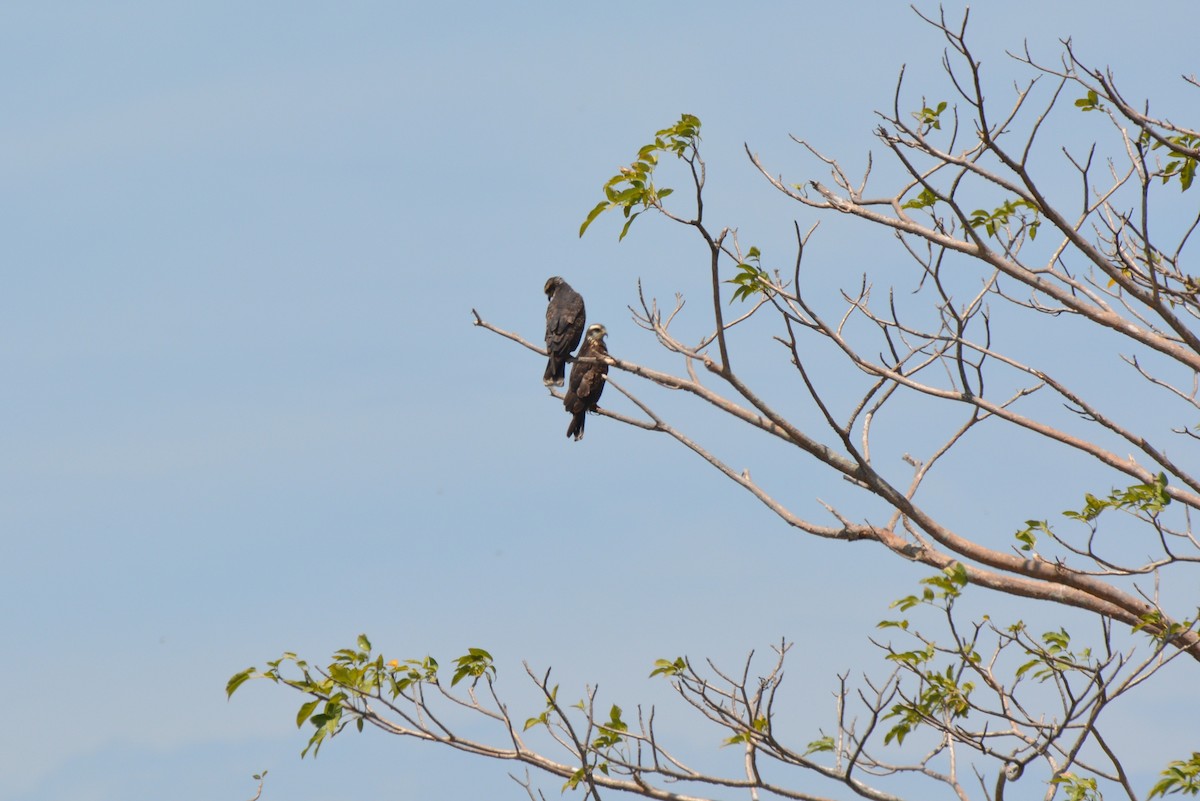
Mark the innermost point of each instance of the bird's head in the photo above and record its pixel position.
(552, 283)
(596, 331)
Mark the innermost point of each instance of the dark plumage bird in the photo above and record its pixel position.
(565, 317)
(587, 379)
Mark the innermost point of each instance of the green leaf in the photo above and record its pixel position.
(237, 680)
(1025, 668)
(306, 711)
(574, 779)
(625, 227)
(602, 206)
(363, 643)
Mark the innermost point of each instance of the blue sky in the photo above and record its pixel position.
(245, 410)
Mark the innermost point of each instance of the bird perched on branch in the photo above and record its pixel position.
(565, 317)
(587, 379)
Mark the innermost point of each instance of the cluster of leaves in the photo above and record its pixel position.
(551, 707)
(930, 118)
(821, 745)
(1078, 788)
(760, 725)
(669, 667)
(942, 695)
(1181, 776)
(609, 735)
(1163, 630)
(941, 590)
(1148, 499)
(632, 189)
(922, 201)
(1028, 535)
(1089, 102)
(999, 217)
(990, 221)
(1182, 164)
(476, 663)
(354, 674)
(751, 279)
(611, 732)
(1054, 657)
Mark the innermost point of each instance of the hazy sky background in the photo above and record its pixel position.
(244, 409)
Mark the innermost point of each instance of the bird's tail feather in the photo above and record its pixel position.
(556, 370)
(576, 428)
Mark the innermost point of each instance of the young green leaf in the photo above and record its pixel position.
(237, 680)
(306, 711)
